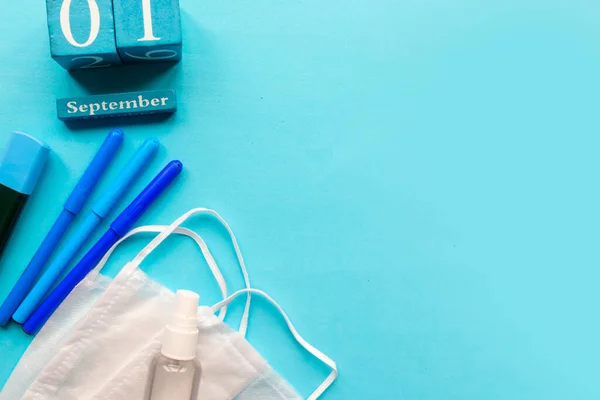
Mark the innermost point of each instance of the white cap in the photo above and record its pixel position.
(181, 335)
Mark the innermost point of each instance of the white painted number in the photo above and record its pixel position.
(65, 23)
(147, 11)
(96, 62)
(152, 55)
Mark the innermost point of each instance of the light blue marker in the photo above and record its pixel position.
(71, 208)
(101, 209)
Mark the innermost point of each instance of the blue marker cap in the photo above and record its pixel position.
(125, 221)
(118, 229)
(138, 162)
(94, 171)
(122, 182)
(22, 162)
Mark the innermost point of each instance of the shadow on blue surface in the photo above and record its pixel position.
(127, 78)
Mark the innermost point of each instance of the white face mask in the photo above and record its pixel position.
(107, 354)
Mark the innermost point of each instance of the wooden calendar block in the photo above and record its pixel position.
(117, 105)
(82, 33)
(148, 30)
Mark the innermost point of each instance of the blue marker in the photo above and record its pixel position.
(72, 207)
(117, 230)
(105, 204)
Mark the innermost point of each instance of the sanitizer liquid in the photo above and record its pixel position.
(175, 374)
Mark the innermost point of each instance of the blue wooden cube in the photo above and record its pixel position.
(82, 33)
(117, 105)
(148, 30)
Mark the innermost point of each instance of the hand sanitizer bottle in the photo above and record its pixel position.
(174, 373)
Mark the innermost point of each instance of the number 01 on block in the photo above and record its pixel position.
(148, 30)
(104, 33)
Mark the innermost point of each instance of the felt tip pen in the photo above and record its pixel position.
(71, 208)
(21, 165)
(119, 228)
(132, 170)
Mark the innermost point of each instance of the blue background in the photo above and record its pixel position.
(415, 181)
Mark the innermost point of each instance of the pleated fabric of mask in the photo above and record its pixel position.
(107, 354)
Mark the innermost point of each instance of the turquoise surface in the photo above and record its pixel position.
(414, 181)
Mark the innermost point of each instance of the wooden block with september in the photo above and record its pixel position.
(82, 33)
(148, 30)
(117, 105)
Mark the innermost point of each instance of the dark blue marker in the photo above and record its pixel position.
(117, 230)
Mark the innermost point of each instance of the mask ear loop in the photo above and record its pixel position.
(310, 348)
(165, 233)
(180, 231)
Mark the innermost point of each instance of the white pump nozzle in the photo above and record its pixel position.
(181, 335)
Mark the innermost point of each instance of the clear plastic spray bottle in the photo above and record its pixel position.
(174, 372)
